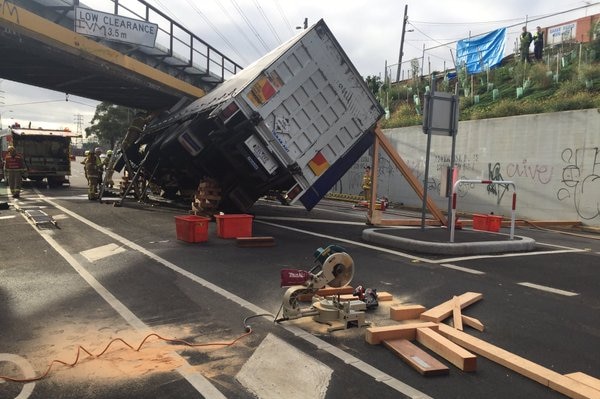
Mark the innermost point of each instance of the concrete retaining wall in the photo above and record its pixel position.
(552, 158)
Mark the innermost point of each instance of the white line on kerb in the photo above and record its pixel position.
(364, 367)
(548, 289)
(462, 269)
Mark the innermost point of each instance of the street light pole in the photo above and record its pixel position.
(405, 20)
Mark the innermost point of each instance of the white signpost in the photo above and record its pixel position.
(114, 27)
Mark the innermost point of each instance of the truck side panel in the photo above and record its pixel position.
(315, 106)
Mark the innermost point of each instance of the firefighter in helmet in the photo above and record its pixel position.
(14, 167)
(106, 163)
(92, 174)
(366, 183)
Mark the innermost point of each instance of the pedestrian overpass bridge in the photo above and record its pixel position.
(39, 46)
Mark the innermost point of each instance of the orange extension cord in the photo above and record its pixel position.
(81, 348)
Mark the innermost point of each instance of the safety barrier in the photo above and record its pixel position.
(462, 181)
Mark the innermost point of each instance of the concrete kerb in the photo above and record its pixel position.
(378, 236)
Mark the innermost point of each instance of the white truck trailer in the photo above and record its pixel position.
(295, 120)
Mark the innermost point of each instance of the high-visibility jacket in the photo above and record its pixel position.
(91, 166)
(14, 162)
(366, 182)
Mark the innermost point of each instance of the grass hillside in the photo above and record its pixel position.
(567, 79)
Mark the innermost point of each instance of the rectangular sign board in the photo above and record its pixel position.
(440, 114)
(114, 27)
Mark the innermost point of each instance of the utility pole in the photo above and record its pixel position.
(405, 20)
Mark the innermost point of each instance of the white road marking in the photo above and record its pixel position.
(357, 363)
(275, 358)
(548, 289)
(339, 239)
(104, 251)
(293, 219)
(8, 217)
(26, 369)
(510, 255)
(197, 380)
(462, 269)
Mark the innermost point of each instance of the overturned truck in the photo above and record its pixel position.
(294, 121)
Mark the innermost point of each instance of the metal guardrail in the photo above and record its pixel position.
(466, 181)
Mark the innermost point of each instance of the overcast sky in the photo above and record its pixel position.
(369, 32)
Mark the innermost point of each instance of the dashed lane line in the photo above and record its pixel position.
(460, 268)
(548, 289)
(362, 366)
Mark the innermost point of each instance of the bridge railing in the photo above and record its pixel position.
(181, 41)
(175, 44)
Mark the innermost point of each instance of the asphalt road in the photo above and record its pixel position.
(119, 272)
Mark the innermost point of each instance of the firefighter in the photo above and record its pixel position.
(91, 172)
(366, 183)
(99, 164)
(108, 169)
(14, 167)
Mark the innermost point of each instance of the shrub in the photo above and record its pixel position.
(579, 100)
(569, 88)
(404, 115)
(538, 74)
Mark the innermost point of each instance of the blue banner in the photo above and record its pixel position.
(477, 53)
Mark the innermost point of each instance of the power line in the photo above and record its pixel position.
(285, 20)
(269, 24)
(239, 28)
(252, 28)
(214, 28)
(521, 21)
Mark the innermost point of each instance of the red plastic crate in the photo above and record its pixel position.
(494, 223)
(191, 228)
(480, 222)
(234, 225)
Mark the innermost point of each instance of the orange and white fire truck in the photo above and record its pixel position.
(47, 153)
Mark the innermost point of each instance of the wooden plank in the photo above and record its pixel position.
(406, 312)
(408, 174)
(527, 368)
(456, 314)
(383, 296)
(246, 242)
(585, 379)
(472, 322)
(458, 356)
(442, 311)
(375, 335)
(416, 357)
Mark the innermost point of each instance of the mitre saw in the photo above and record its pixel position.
(334, 267)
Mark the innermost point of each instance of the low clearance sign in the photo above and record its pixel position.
(114, 27)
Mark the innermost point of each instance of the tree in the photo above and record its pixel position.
(110, 122)
(374, 83)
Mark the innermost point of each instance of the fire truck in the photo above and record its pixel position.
(46, 152)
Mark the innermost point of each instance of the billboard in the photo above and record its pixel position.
(114, 27)
(562, 33)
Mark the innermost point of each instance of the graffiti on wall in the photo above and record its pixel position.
(461, 161)
(537, 173)
(581, 181)
(497, 190)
